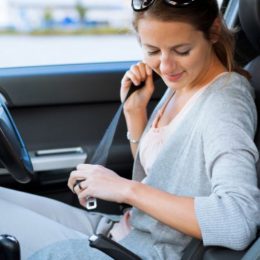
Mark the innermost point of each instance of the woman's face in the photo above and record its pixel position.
(176, 51)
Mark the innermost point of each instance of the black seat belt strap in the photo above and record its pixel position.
(102, 151)
(101, 154)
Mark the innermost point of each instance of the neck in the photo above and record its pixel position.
(213, 69)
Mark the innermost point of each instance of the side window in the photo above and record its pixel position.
(49, 32)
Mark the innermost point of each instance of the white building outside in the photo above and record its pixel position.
(26, 15)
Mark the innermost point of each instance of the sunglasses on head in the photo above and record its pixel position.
(141, 5)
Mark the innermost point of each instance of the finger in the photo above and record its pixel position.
(139, 72)
(83, 202)
(142, 69)
(148, 70)
(88, 168)
(150, 84)
(76, 189)
(134, 78)
(79, 186)
(83, 166)
(74, 176)
(71, 180)
(83, 194)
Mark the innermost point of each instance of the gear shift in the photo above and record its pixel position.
(9, 248)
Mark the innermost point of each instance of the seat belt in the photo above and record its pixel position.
(101, 154)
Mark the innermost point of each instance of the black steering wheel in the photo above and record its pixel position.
(13, 153)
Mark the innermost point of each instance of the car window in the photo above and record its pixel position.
(49, 32)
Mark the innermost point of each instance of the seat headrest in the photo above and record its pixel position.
(249, 15)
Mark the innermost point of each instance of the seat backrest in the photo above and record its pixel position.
(254, 68)
(249, 16)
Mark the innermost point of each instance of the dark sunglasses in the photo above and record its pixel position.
(141, 5)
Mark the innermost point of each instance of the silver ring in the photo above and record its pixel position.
(79, 184)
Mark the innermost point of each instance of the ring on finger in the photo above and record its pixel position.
(78, 183)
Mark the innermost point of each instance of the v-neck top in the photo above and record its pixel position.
(153, 141)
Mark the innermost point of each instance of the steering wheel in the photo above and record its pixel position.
(13, 153)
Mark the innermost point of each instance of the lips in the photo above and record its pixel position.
(174, 77)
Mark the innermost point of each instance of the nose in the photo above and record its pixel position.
(167, 63)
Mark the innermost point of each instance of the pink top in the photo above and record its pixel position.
(150, 146)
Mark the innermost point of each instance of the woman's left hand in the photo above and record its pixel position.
(98, 182)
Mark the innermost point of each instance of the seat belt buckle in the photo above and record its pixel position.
(111, 248)
(91, 203)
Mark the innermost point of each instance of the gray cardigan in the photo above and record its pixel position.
(212, 158)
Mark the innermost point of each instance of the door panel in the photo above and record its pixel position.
(67, 106)
(64, 84)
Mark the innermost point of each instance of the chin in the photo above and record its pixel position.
(176, 85)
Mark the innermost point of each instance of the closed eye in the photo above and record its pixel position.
(152, 52)
(183, 53)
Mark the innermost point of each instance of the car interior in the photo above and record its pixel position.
(43, 135)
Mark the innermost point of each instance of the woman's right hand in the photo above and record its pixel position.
(139, 99)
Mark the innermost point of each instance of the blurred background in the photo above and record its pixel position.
(47, 32)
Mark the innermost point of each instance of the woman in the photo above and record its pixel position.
(194, 172)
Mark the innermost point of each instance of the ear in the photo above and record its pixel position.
(215, 30)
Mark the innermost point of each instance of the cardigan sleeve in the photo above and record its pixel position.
(230, 214)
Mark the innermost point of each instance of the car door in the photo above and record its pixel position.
(62, 111)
